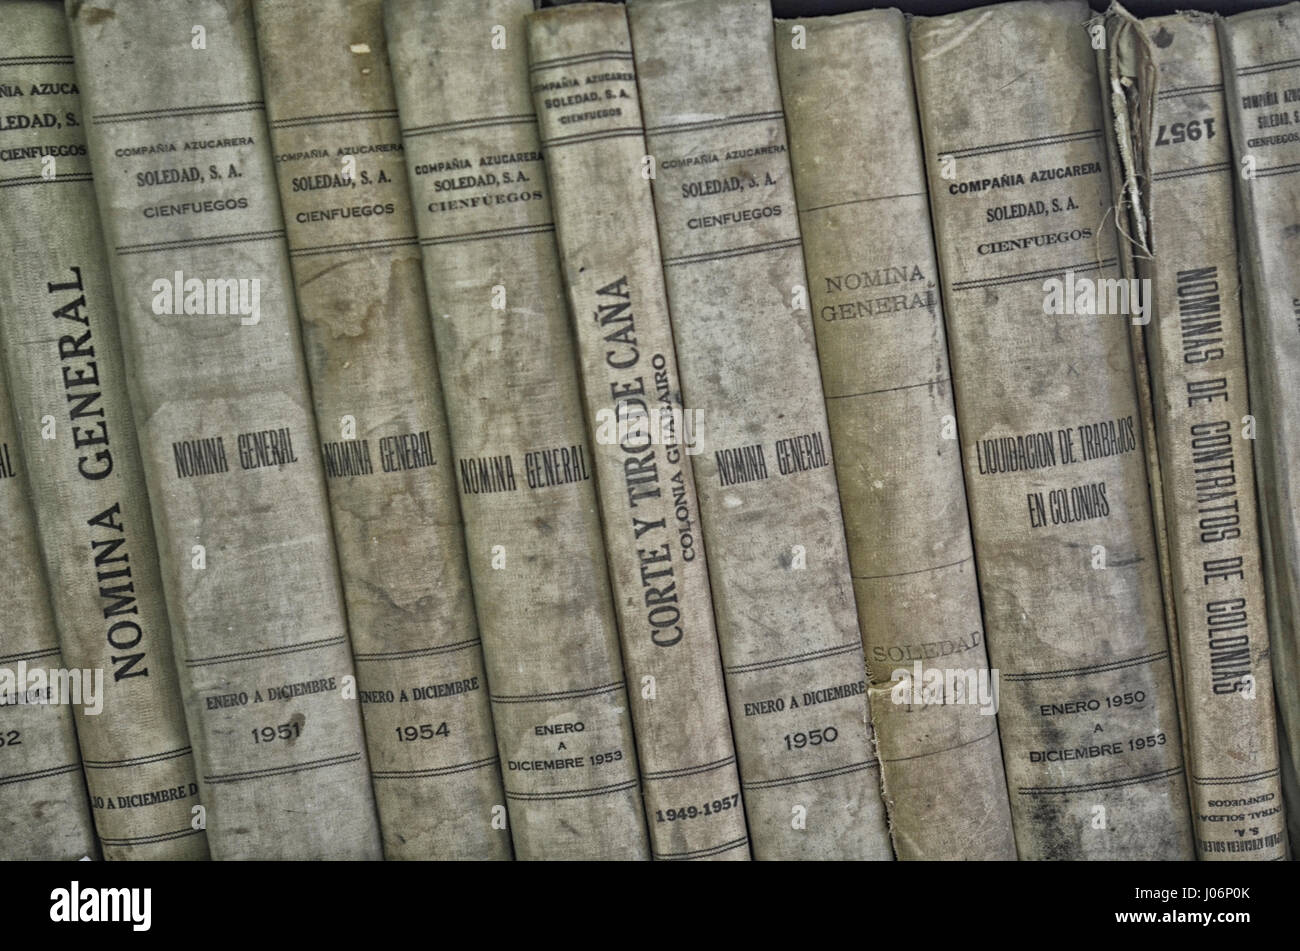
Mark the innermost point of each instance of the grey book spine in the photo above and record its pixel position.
(192, 225)
(44, 809)
(63, 359)
(1261, 71)
(733, 266)
(388, 465)
(523, 462)
(855, 147)
(1055, 474)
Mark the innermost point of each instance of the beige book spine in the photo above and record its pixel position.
(733, 266)
(643, 446)
(44, 809)
(192, 224)
(1055, 473)
(63, 359)
(1175, 138)
(524, 465)
(1261, 71)
(859, 175)
(388, 465)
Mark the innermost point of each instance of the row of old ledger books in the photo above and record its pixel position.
(444, 429)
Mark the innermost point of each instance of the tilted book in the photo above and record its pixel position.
(1261, 74)
(1173, 143)
(44, 809)
(644, 439)
(183, 173)
(1045, 394)
(855, 148)
(524, 465)
(770, 510)
(63, 359)
(388, 466)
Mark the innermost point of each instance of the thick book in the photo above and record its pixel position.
(388, 466)
(44, 809)
(643, 446)
(1045, 394)
(523, 463)
(769, 506)
(178, 142)
(1173, 146)
(63, 360)
(1261, 73)
(859, 175)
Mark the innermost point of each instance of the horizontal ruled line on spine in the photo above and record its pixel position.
(946, 749)
(288, 770)
(30, 655)
(145, 760)
(558, 695)
(580, 138)
(39, 774)
(743, 118)
(376, 244)
(573, 794)
(150, 839)
(861, 201)
(1003, 279)
(817, 776)
(243, 237)
(489, 233)
(916, 571)
(687, 770)
(1268, 67)
(702, 853)
(594, 56)
(416, 651)
(889, 389)
(1245, 778)
(795, 658)
(42, 180)
(1098, 786)
(330, 117)
(435, 771)
(707, 256)
(1277, 170)
(264, 652)
(1084, 671)
(36, 60)
(1022, 144)
(486, 122)
(1177, 92)
(1191, 171)
(179, 112)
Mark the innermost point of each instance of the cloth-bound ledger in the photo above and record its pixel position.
(388, 466)
(192, 225)
(1164, 75)
(1046, 401)
(524, 465)
(855, 147)
(44, 810)
(1261, 71)
(63, 360)
(733, 266)
(643, 441)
